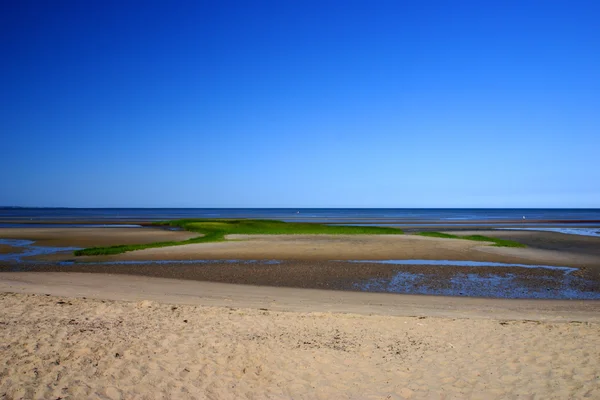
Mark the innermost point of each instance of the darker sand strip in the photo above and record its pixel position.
(133, 288)
(90, 237)
(329, 275)
(6, 249)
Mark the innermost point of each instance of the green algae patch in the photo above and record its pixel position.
(215, 230)
(479, 238)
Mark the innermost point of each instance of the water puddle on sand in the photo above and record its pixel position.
(474, 285)
(29, 250)
(508, 285)
(568, 231)
(485, 225)
(458, 263)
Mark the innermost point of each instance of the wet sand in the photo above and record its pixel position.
(317, 274)
(103, 336)
(5, 249)
(555, 241)
(90, 237)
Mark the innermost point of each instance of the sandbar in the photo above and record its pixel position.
(90, 237)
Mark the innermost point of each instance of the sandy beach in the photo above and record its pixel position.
(154, 338)
(231, 330)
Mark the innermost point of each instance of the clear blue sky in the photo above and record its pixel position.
(300, 103)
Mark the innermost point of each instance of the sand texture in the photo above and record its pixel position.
(78, 348)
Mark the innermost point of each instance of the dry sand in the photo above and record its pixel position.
(218, 341)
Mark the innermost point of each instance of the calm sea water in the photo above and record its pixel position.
(347, 215)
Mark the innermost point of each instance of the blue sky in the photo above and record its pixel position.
(300, 103)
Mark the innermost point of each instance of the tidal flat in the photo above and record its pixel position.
(302, 255)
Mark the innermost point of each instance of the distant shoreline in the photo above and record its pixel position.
(390, 221)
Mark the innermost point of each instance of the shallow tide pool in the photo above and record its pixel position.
(512, 286)
(29, 250)
(567, 231)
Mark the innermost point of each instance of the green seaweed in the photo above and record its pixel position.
(480, 238)
(215, 230)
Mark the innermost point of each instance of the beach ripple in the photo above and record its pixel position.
(76, 348)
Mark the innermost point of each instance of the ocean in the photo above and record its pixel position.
(342, 215)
